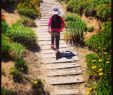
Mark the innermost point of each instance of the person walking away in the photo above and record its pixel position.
(55, 25)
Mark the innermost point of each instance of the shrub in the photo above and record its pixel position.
(77, 6)
(100, 9)
(27, 22)
(17, 50)
(103, 12)
(37, 86)
(99, 73)
(4, 26)
(17, 75)
(101, 40)
(21, 65)
(5, 45)
(75, 28)
(29, 8)
(5, 91)
(23, 35)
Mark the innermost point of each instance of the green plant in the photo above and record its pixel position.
(5, 91)
(27, 21)
(29, 8)
(5, 45)
(37, 86)
(17, 75)
(23, 35)
(17, 50)
(103, 12)
(101, 40)
(21, 65)
(4, 26)
(75, 28)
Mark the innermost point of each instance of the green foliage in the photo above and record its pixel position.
(21, 65)
(5, 91)
(97, 8)
(5, 45)
(17, 50)
(77, 6)
(75, 28)
(17, 75)
(37, 86)
(101, 40)
(103, 11)
(29, 8)
(4, 26)
(22, 34)
(99, 73)
(27, 21)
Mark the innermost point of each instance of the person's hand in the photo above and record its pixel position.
(49, 32)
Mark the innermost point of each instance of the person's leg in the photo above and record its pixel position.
(57, 38)
(52, 40)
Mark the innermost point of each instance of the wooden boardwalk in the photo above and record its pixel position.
(64, 72)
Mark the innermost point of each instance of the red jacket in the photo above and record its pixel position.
(56, 29)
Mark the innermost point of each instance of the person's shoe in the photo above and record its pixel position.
(52, 47)
(57, 55)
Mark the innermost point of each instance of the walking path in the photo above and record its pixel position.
(63, 76)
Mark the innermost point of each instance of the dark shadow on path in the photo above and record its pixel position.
(67, 54)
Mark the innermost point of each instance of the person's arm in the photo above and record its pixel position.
(63, 24)
(49, 25)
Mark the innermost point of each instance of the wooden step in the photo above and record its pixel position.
(46, 39)
(48, 51)
(49, 47)
(64, 72)
(66, 92)
(49, 42)
(62, 66)
(65, 80)
(62, 60)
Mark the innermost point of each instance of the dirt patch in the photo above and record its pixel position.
(33, 73)
(91, 22)
(10, 18)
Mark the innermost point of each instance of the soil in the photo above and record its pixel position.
(33, 73)
(10, 18)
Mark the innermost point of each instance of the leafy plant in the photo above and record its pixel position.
(17, 50)
(5, 91)
(21, 65)
(17, 75)
(23, 35)
(5, 45)
(29, 8)
(37, 86)
(75, 28)
(27, 22)
(101, 40)
(4, 26)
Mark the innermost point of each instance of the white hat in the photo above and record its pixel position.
(55, 11)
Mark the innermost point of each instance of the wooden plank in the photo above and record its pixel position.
(62, 66)
(64, 72)
(49, 47)
(65, 80)
(62, 60)
(48, 51)
(49, 42)
(66, 92)
(46, 39)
